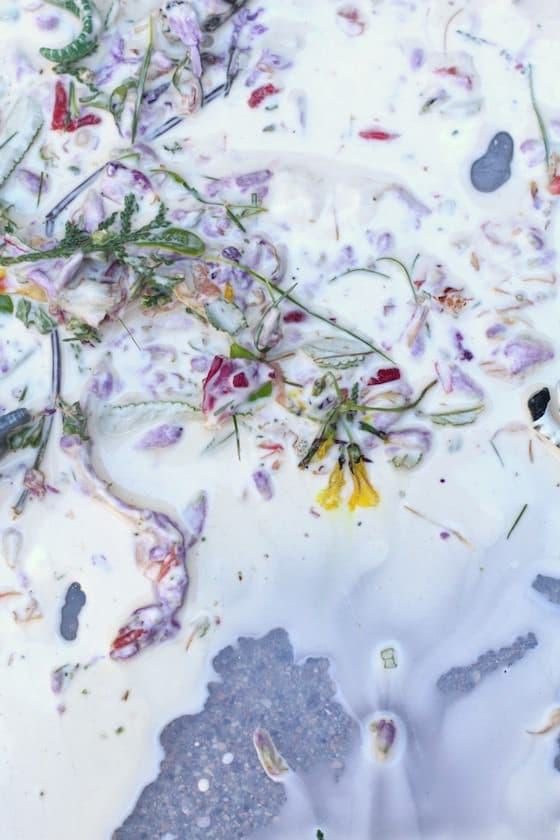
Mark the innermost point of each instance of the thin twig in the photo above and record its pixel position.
(517, 520)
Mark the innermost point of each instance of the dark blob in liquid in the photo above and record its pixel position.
(538, 403)
(69, 614)
(493, 169)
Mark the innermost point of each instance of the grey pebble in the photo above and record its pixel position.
(259, 686)
(548, 586)
(462, 679)
(10, 422)
(71, 609)
(493, 169)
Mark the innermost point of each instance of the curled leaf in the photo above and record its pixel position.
(338, 353)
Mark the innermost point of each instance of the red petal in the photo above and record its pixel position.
(385, 375)
(377, 134)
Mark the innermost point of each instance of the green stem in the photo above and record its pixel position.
(405, 270)
(540, 120)
(396, 409)
(142, 82)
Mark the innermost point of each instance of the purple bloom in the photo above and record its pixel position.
(31, 181)
(47, 22)
(231, 253)
(417, 58)
(495, 330)
(183, 24)
(160, 437)
(464, 354)
(263, 484)
(524, 353)
(253, 179)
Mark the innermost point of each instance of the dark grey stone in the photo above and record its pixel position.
(260, 687)
(461, 680)
(548, 586)
(538, 403)
(70, 612)
(493, 169)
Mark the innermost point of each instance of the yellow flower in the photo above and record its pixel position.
(324, 448)
(363, 495)
(329, 498)
(228, 292)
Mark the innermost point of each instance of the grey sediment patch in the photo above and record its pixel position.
(211, 784)
(548, 586)
(465, 678)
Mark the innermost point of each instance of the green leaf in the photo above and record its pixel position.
(142, 82)
(6, 304)
(117, 99)
(461, 417)
(82, 332)
(67, 5)
(81, 46)
(337, 353)
(127, 417)
(236, 351)
(177, 240)
(408, 460)
(27, 116)
(32, 314)
(74, 421)
(264, 391)
(27, 436)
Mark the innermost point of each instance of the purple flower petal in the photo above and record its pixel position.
(160, 437)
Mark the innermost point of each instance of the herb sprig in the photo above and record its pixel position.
(115, 235)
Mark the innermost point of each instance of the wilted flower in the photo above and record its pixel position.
(363, 495)
(329, 498)
(384, 731)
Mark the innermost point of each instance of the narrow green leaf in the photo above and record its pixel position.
(177, 240)
(236, 351)
(142, 81)
(460, 417)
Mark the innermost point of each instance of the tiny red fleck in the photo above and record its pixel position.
(294, 317)
(554, 186)
(240, 380)
(260, 94)
(385, 375)
(377, 134)
(447, 71)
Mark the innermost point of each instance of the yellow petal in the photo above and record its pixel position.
(324, 448)
(363, 495)
(228, 292)
(329, 498)
(32, 291)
